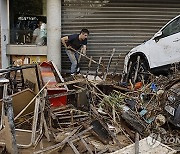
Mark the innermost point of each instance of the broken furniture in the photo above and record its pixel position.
(35, 134)
(22, 77)
(24, 102)
(65, 117)
(20, 100)
(50, 74)
(4, 84)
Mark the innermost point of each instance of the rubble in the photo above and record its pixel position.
(88, 115)
(145, 148)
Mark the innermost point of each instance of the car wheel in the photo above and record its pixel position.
(142, 71)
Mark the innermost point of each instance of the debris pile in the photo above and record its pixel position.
(86, 116)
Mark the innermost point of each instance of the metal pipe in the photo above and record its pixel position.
(10, 134)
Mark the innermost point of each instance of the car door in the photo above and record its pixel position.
(166, 48)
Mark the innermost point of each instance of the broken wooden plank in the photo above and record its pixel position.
(70, 82)
(109, 63)
(35, 119)
(137, 143)
(97, 70)
(5, 86)
(73, 147)
(89, 65)
(85, 144)
(121, 88)
(116, 65)
(57, 146)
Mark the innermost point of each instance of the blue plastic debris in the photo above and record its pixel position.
(153, 87)
(142, 113)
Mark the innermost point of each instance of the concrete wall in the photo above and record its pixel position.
(0, 43)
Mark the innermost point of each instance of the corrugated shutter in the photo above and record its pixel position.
(119, 24)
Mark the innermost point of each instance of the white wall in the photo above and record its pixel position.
(4, 13)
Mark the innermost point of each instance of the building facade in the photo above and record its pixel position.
(121, 24)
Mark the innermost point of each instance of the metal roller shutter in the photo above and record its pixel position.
(119, 24)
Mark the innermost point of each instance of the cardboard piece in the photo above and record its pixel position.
(20, 100)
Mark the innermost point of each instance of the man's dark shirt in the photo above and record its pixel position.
(74, 42)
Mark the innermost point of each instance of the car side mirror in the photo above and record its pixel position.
(157, 36)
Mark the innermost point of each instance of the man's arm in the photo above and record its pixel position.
(35, 35)
(34, 38)
(64, 40)
(83, 49)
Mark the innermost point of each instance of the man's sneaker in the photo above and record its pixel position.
(78, 73)
(78, 70)
(72, 74)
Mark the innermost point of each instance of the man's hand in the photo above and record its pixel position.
(64, 40)
(83, 50)
(68, 47)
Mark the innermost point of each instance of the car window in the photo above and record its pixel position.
(172, 28)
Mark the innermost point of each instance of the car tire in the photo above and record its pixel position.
(143, 71)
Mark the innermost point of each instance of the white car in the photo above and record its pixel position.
(156, 54)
